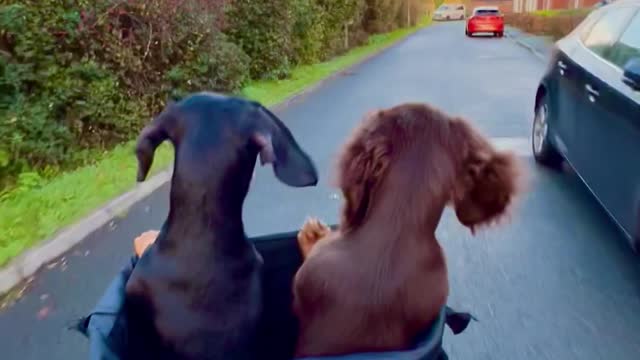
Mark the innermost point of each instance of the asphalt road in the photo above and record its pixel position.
(558, 282)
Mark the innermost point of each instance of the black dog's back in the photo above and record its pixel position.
(196, 292)
(179, 317)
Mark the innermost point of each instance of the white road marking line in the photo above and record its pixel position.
(521, 146)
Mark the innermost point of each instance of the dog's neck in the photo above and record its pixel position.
(410, 199)
(407, 213)
(207, 217)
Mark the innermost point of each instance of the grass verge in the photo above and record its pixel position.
(30, 215)
(562, 12)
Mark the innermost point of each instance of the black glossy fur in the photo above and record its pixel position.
(196, 293)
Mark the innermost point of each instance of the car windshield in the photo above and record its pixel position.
(443, 7)
(487, 12)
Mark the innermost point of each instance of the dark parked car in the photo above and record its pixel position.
(587, 110)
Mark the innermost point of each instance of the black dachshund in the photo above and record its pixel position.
(196, 292)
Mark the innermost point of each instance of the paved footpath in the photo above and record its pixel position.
(558, 282)
(540, 46)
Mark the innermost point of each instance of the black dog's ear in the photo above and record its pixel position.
(149, 139)
(278, 147)
(267, 155)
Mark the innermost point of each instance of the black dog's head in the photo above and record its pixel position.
(217, 138)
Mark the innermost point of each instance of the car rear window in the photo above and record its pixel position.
(487, 12)
(606, 31)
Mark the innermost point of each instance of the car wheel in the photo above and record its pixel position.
(500, 34)
(543, 150)
(448, 17)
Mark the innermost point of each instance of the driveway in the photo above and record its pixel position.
(558, 282)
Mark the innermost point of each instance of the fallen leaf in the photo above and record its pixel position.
(44, 312)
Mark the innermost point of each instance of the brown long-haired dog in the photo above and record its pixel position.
(381, 278)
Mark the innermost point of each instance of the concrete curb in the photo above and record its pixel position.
(535, 52)
(27, 264)
(30, 261)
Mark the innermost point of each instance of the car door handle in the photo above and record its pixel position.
(562, 66)
(593, 93)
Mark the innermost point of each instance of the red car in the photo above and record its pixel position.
(485, 19)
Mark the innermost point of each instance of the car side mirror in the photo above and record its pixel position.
(631, 74)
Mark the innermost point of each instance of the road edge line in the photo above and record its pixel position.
(32, 260)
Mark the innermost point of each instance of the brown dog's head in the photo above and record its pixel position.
(425, 158)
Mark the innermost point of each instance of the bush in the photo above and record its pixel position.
(263, 30)
(308, 32)
(297, 31)
(336, 14)
(211, 70)
(557, 25)
(78, 75)
(551, 13)
(387, 15)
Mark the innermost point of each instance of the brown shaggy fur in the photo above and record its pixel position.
(379, 280)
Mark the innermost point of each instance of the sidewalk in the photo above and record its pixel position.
(540, 46)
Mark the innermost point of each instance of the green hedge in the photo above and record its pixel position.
(78, 77)
(562, 12)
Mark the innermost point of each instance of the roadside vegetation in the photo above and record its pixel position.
(562, 12)
(79, 78)
(553, 23)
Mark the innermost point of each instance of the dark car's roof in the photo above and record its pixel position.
(597, 11)
(620, 3)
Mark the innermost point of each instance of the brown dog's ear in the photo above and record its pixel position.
(492, 187)
(278, 147)
(488, 182)
(150, 138)
(363, 164)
